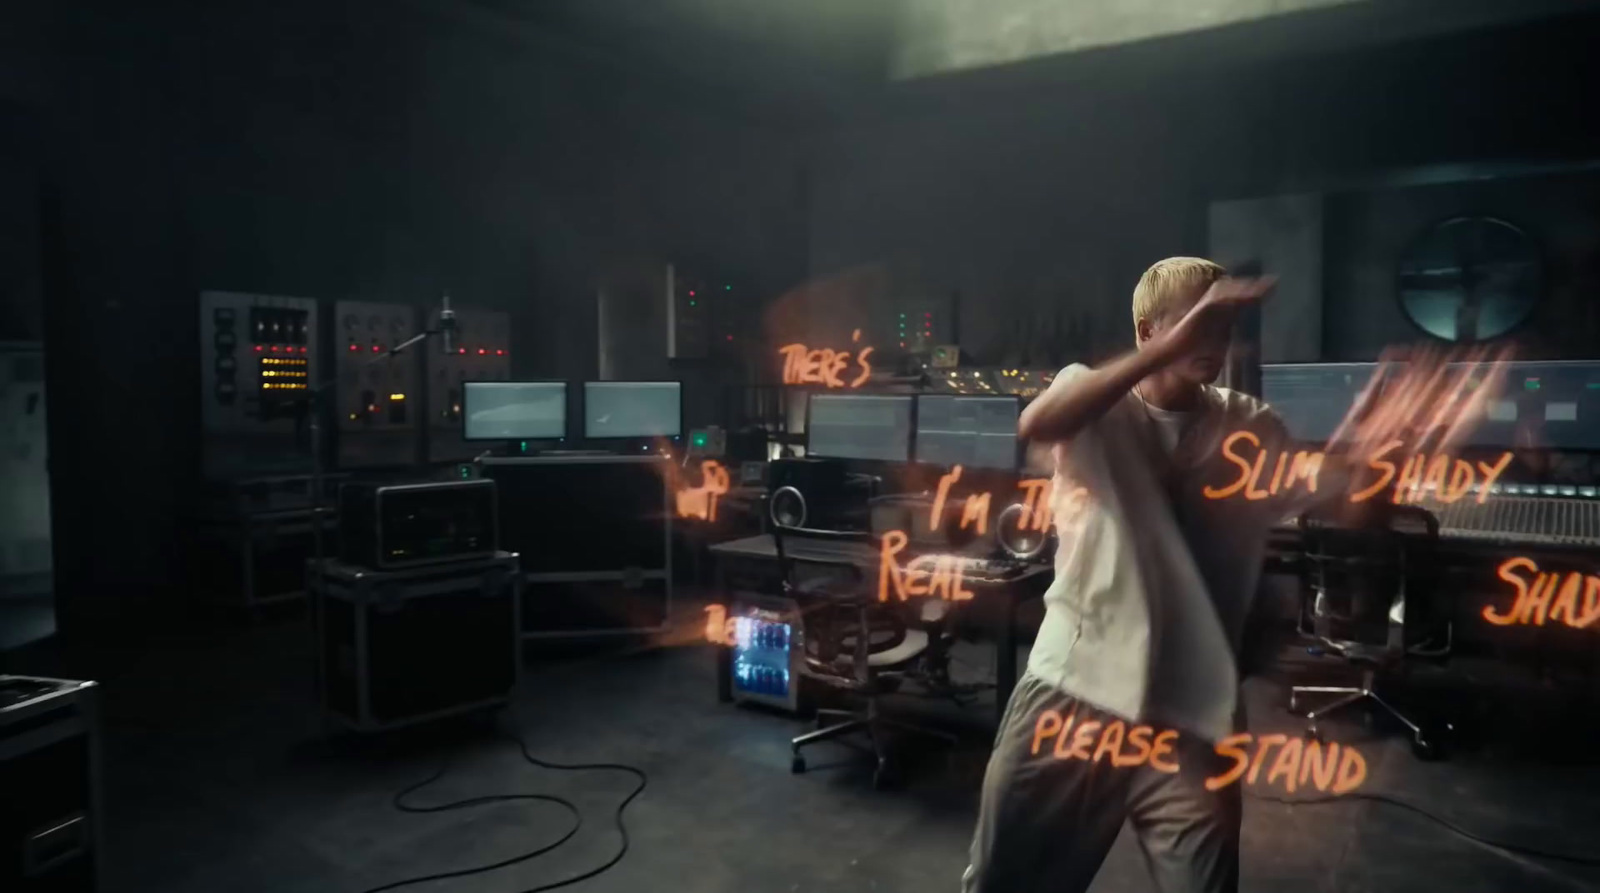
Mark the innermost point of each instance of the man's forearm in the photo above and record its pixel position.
(1061, 412)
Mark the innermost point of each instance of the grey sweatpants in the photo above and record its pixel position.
(1053, 803)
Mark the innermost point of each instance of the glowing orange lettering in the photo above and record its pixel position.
(802, 365)
(1081, 739)
(1533, 609)
(936, 514)
(1504, 573)
(1250, 491)
(1164, 745)
(1263, 744)
(1538, 600)
(720, 628)
(888, 569)
(1491, 473)
(1378, 462)
(1287, 764)
(1434, 480)
(1235, 458)
(1065, 736)
(1305, 466)
(1410, 484)
(1109, 743)
(1352, 771)
(1460, 480)
(1313, 767)
(976, 509)
(925, 575)
(1046, 726)
(701, 502)
(866, 368)
(1231, 747)
(1277, 474)
(1139, 737)
(1035, 503)
(917, 574)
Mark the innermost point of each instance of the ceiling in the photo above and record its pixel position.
(803, 59)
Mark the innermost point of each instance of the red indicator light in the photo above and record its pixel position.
(481, 351)
(691, 292)
(302, 348)
(354, 348)
(499, 353)
(730, 337)
(258, 348)
(927, 316)
(462, 350)
(374, 348)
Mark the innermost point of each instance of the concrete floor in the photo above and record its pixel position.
(220, 779)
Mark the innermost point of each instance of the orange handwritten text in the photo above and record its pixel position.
(825, 366)
(926, 576)
(701, 502)
(1573, 600)
(1439, 476)
(1298, 763)
(720, 628)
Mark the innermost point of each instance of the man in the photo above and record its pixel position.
(1154, 580)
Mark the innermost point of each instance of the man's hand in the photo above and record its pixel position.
(1211, 318)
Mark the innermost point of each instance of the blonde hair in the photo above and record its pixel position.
(1168, 281)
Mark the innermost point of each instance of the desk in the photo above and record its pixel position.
(759, 551)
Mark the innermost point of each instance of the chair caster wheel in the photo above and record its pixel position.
(797, 765)
(1431, 744)
(1312, 734)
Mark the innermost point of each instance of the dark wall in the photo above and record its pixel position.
(364, 149)
(1039, 193)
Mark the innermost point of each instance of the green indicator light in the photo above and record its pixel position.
(1593, 385)
(524, 446)
(691, 303)
(1531, 384)
(699, 440)
(727, 288)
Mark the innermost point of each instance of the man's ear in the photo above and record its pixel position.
(1143, 329)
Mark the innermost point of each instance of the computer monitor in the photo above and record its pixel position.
(514, 410)
(973, 432)
(1553, 405)
(614, 410)
(1314, 398)
(859, 426)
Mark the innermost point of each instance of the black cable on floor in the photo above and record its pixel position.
(1519, 849)
(616, 816)
(577, 817)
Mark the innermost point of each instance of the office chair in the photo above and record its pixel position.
(854, 644)
(1358, 583)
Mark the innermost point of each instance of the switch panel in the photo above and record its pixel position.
(482, 353)
(258, 361)
(374, 390)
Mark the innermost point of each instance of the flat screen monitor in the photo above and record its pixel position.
(1553, 405)
(859, 426)
(974, 432)
(514, 410)
(1314, 398)
(624, 409)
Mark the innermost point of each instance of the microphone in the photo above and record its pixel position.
(447, 326)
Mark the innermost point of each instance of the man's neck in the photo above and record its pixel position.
(1170, 393)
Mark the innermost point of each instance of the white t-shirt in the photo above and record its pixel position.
(1154, 581)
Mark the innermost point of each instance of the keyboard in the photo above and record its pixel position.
(1519, 520)
(988, 568)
